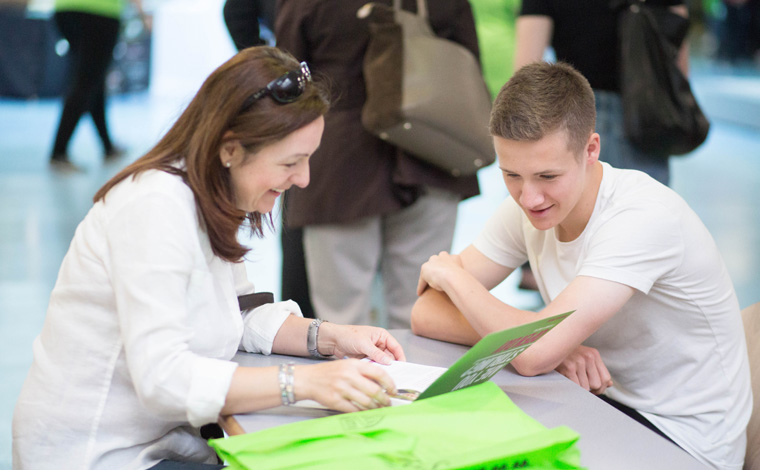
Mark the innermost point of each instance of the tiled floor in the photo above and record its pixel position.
(39, 209)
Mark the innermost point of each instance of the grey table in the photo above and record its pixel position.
(609, 439)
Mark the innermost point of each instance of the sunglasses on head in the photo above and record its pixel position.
(284, 89)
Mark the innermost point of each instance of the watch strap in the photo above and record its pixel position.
(312, 337)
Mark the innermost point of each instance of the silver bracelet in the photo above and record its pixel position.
(312, 338)
(286, 379)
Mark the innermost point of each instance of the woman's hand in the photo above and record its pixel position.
(359, 341)
(344, 385)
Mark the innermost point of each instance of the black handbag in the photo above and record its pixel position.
(660, 113)
(425, 94)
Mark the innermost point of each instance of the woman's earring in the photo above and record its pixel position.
(228, 164)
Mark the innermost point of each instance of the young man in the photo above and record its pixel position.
(657, 325)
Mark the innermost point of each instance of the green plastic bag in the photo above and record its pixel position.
(474, 428)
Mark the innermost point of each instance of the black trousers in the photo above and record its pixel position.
(295, 284)
(636, 416)
(91, 41)
(174, 465)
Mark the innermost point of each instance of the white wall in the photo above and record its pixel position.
(189, 41)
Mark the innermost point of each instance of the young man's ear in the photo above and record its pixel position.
(593, 149)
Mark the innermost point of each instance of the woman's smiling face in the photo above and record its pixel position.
(258, 179)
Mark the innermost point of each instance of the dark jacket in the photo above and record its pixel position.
(354, 174)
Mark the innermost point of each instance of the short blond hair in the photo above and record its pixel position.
(542, 98)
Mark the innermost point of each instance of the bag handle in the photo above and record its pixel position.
(251, 301)
(421, 7)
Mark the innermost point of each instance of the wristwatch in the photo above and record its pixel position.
(311, 339)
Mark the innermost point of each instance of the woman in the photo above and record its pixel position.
(135, 352)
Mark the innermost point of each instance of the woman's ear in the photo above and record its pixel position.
(230, 152)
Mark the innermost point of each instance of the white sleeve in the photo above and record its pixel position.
(635, 246)
(502, 239)
(152, 243)
(261, 325)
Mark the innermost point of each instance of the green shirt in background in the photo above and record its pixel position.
(495, 26)
(109, 8)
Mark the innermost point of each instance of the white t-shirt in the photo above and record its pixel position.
(676, 350)
(135, 350)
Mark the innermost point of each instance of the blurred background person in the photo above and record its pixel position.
(244, 20)
(584, 33)
(91, 28)
(739, 33)
(495, 26)
(371, 207)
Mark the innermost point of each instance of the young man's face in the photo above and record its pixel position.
(552, 184)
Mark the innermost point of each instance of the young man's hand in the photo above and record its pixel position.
(433, 272)
(585, 367)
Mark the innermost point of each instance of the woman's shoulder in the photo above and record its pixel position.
(150, 185)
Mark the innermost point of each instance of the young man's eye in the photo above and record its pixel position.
(548, 177)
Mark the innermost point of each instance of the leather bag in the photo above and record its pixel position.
(425, 94)
(661, 116)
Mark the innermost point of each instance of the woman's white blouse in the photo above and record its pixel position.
(135, 350)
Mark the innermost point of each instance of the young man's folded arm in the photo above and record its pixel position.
(466, 311)
(594, 300)
(436, 316)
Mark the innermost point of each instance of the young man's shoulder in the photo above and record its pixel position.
(636, 207)
(633, 189)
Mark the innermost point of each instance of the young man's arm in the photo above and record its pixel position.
(456, 296)
(434, 314)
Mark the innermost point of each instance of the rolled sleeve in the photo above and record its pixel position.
(209, 384)
(262, 324)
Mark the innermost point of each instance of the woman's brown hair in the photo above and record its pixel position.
(190, 148)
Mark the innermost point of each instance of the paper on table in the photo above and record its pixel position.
(408, 376)
(481, 362)
(411, 379)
